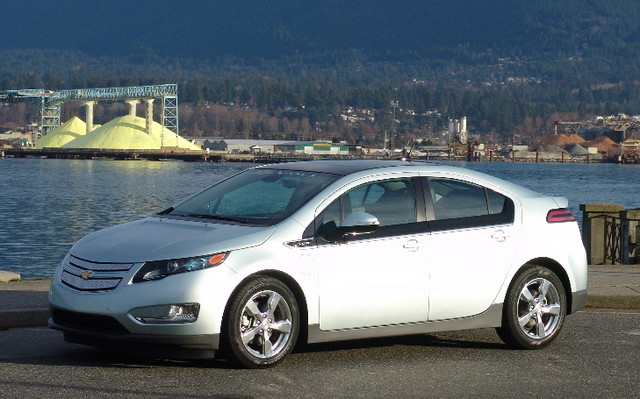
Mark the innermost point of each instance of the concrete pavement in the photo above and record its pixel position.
(614, 286)
(23, 303)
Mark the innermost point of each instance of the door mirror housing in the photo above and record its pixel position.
(354, 224)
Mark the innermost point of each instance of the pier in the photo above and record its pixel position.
(181, 154)
(163, 155)
(151, 155)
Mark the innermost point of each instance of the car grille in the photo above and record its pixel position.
(87, 321)
(83, 275)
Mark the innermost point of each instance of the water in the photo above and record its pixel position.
(48, 204)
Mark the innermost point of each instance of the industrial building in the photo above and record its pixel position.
(232, 146)
(458, 128)
(128, 132)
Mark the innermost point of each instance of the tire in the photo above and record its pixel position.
(534, 309)
(262, 324)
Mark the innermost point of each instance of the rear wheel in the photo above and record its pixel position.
(534, 310)
(263, 323)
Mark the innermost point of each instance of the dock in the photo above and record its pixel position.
(179, 154)
(164, 155)
(150, 155)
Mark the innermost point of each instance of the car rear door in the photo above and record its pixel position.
(471, 247)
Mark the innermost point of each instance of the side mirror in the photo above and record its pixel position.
(355, 224)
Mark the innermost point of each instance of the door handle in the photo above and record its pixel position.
(411, 245)
(499, 236)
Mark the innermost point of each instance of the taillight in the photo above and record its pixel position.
(559, 216)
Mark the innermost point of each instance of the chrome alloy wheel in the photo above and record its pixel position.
(265, 324)
(539, 308)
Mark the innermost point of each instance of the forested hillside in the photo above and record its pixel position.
(288, 68)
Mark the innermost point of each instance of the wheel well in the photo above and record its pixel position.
(291, 283)
(559, 271)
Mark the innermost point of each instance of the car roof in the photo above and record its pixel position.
(343, 167)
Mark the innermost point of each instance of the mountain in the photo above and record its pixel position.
(277, 29)
(507, 60)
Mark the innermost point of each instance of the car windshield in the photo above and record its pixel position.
(261, 196)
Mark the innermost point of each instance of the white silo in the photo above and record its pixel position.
(463, 129)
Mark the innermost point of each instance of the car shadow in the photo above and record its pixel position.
(64, 354)
(483, 341)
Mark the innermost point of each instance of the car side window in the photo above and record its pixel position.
(462, 204)
(393, 202)
(454, 199)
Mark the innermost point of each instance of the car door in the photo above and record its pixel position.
(379, 278)
(470, 249)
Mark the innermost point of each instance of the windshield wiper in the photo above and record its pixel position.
(216, 217)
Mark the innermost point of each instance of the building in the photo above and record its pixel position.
(238, 146)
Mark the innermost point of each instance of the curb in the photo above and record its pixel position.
(24, 303)
(20, 318)
(613, 302)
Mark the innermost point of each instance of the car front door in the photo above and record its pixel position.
(376, 279)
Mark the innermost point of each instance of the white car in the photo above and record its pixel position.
(322, 251)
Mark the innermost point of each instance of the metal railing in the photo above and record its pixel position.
(621, 240)
(612, 239)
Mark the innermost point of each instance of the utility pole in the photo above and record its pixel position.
(394, 105)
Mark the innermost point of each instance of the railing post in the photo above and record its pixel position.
(637, 247)
(593, 228)
(629, 221)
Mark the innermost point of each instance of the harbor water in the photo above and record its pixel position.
(48, 204)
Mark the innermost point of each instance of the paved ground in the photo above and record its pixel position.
(23, 303)
(615, 287)
(595, 356)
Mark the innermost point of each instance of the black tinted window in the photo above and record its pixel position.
(453, 199)
(458, 204)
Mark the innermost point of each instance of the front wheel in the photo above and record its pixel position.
(534, 310)
(262, 324)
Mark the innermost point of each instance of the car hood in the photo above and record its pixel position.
(159, 238)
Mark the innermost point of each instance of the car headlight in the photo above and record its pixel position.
(161, 269)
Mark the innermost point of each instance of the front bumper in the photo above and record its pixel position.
(104, 318)
(110, 334)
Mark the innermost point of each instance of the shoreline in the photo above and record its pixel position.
(211, 156)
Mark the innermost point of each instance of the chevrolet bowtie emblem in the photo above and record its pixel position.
(87, 274)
